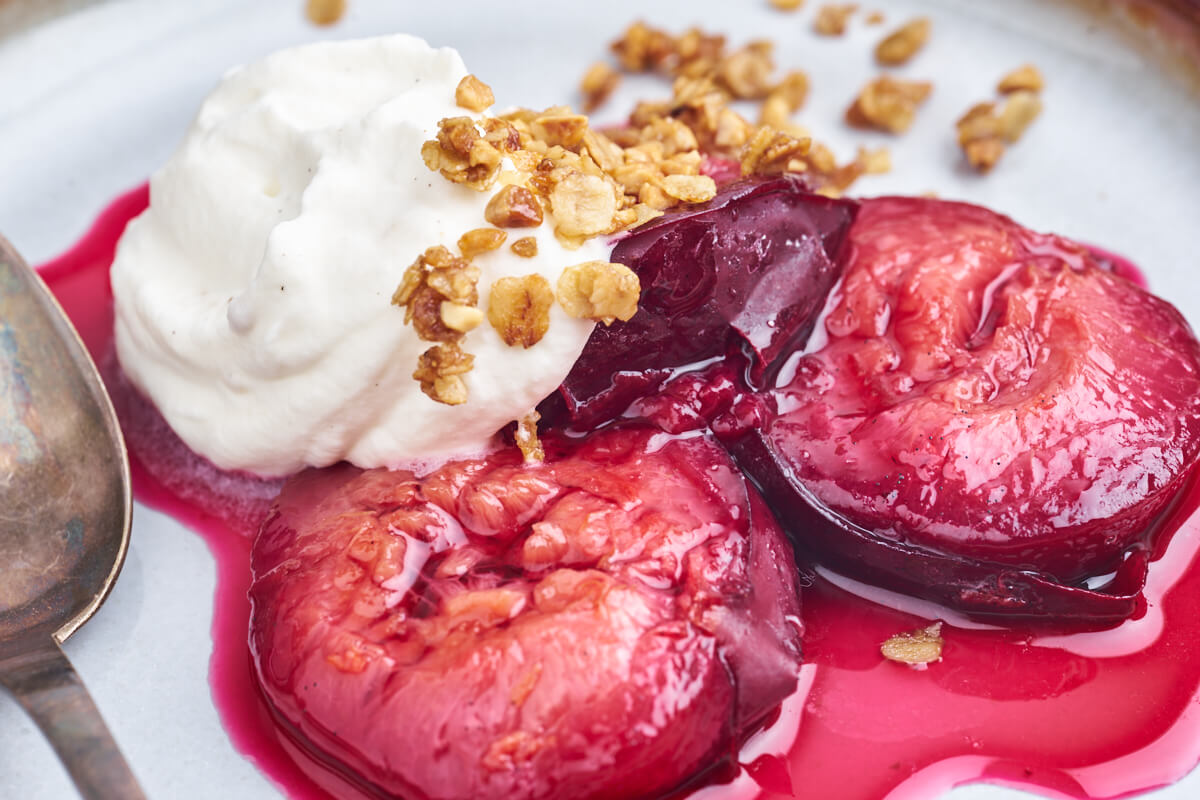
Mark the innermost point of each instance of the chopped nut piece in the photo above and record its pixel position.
(599, 290)
(459, 317)
(514, 207)
(440, 370)
(832, 18)
(1024, 78)
(480, 240)
(583, 205)
(917, 648)
(526, 437)
(436, 276)
(598, 83)
(787, 5)
(1019, 111)
(903, 43)
(525, 247)
(690, 188)
(562, 129)
(888, 104)
(473, 94)
(461, 154)
(519, 309)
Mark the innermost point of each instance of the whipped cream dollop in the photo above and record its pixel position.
(253, 296)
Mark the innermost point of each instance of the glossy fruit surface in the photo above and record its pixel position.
(991, 419)
(610, 623)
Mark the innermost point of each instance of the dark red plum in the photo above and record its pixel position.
(610, 623)
(994, 422)
(750, 269)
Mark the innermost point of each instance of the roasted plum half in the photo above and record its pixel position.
(749, 270)
(609, 623)
(993, 420)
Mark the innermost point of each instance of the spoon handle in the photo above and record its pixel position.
(50, 691)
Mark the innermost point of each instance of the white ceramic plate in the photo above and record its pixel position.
(92, 102)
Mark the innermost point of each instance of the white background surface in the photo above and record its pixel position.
(91, 104)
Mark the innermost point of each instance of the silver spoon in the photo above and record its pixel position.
(64, 522)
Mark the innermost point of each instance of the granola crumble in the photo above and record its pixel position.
(514, 207)
(599, 290)
(1024, 78)
(473, 94)
(902, 44)
(480, 240)
(526, 437)
(519, 309)
(832, 18)
(598, 83)
(525, 247)
(440, 370)
(917, 648)
(888, 104)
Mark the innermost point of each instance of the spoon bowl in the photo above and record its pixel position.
(65, 491)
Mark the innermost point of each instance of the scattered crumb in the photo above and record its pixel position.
(525, 247)
(917, 648)
(985, 132)
(1023, 78)
(902, 44)
(787, 5)
(480, 240)
(888, 104)
(875, 18)
(324, 12)
(832, 18)
(598, 83)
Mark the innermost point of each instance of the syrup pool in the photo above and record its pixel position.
(1086, 715)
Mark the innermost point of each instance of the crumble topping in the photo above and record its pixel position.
(526, 437)
(440, 370)
(473, 94)
(598, 83)
(902, 44)
(437, 277)
(599, 290)
(519, 309)
(986, 130)
(888, 104)
(832, 18)
(480, 240)
(514, 207)
(917, 648)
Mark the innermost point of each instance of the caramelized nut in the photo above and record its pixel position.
(1023, 78)
(519, 309)
(440, 370)
(473, 94)
(903, 43)
(480, 240)
(459, 317)
(599, 290)
(525, 247)
(514, 207)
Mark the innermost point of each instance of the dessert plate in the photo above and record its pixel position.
(93, 101)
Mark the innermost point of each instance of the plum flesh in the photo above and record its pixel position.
(610, 623)
(993, 420)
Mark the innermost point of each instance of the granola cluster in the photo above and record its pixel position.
(987, 129)
(707, 78)
(539, 167)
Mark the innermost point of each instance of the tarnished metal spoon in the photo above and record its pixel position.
(64, 522)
